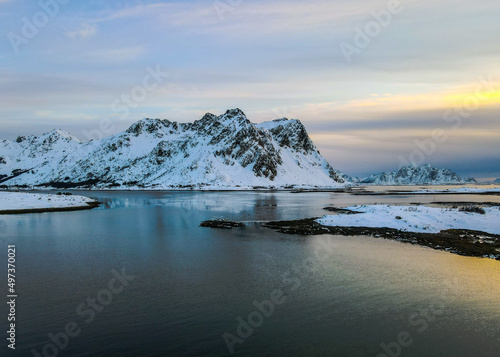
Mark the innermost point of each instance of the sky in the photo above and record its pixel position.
(378, 84)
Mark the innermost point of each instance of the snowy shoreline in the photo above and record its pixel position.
(418, 219)
(24, 202)
(449, 191)
(471, 230)
(470, 190)
(345, 188)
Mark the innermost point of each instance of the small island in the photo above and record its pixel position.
(23, 202)
(469, 230)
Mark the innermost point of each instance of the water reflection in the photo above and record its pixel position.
(193, 283)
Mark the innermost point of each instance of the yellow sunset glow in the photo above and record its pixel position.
(427, 101)
(480, 98)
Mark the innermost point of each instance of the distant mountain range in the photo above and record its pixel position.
(225, 151)
(412, 175)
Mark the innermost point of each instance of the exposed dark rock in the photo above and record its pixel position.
(472, 209)
(458, 204)
(340, 210)
(81, 184)
(458, 241)
(221, 223)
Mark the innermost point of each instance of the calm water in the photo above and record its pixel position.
(340, 296)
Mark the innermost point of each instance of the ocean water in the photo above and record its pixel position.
(139, 277)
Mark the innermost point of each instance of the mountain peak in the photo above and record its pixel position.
(234, 117)
(234, 113)
(63, 134)
(150, 126)
(209, 117)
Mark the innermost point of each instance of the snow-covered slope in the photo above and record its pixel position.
(226, 151)
(19, 201)
(416, 175)
(416, 218)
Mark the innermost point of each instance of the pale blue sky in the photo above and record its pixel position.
(271, 59)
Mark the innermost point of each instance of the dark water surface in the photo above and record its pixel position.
(334, 296)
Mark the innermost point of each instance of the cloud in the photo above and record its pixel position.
(85, 31)
(258, 16)
(262, 55)
(485, 92)
(116, 55)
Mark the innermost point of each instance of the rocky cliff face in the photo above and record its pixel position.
(416, 175)
(226, 151)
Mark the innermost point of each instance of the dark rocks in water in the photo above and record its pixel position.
(472, 209)
(221, 223)
(458, 241)
(458, 204)
(340, 210)
(307, 226)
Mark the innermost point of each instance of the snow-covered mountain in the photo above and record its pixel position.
(497, 181)
(226, 151)
(415, 175)
(347, 178)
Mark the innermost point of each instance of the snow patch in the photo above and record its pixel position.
(12, 201)
(419, 219)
